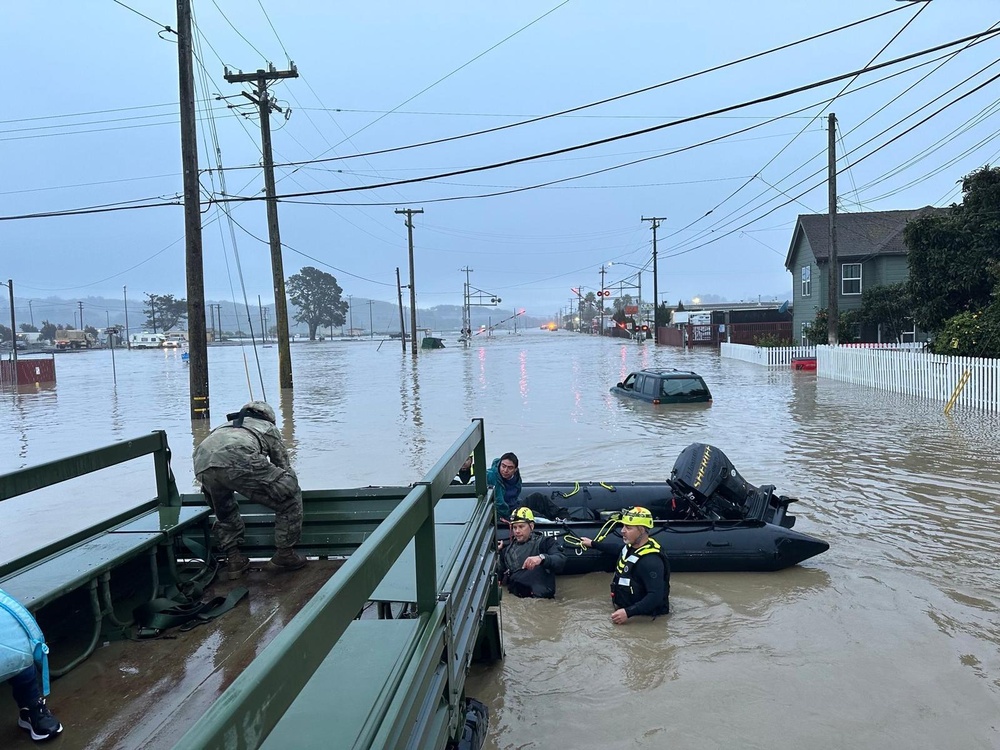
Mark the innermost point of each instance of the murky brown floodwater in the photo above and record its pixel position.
(890, 640)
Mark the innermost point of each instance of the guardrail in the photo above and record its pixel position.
(449, 617)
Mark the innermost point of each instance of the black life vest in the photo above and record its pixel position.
(625, 590)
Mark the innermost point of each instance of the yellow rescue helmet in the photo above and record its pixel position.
(637, 516)
(524, 515)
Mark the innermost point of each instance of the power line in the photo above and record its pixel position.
(534, 157)
(632, 134)
(804, 128)
(858, 161)
(722, 222)
(161, 25)
(456, 70)
(581, 107)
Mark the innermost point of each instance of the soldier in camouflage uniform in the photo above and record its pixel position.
(248, 456)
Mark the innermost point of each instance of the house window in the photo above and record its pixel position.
(850, 279)
(806, 281)
(803, 339)
(910, 336)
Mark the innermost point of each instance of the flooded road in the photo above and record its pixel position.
(890, 639)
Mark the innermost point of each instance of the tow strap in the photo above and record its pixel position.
(154, 617)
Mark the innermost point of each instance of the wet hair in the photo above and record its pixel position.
(510, 457)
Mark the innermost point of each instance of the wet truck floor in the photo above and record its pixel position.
(146, 694)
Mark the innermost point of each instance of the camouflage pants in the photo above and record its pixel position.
(261, 482)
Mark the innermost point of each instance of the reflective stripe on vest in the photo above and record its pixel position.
(630, 557)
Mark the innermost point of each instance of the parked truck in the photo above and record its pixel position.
(71, 338)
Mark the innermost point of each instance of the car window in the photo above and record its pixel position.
(684, 387)
(629, 382)
(649, 386)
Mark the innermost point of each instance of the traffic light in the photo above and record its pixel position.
(645, 327)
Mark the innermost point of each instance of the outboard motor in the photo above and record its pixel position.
(703, 472)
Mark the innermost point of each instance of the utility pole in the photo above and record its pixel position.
(265, 104)
(402, 325)
(413, 289)
(603, 271)
(218, 331)
(31, 314)
(350, 313)
(466, 309)
(371, 325)
(833, 304)
(13, 332)
(197, 347)
(128, 339)
(655, 221)
(81, 314)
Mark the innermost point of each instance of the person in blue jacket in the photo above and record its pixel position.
(504, 477)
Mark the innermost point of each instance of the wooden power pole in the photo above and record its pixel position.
(265, 104)
(832, 306)
(413, 287)
(197, 336)
(402, 325)
(655, 221)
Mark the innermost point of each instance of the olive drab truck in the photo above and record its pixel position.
(73, 339)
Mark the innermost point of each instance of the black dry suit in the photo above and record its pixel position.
(641, 585)
(540, 582)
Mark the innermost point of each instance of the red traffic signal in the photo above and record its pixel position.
(645, 328)
(604, 293)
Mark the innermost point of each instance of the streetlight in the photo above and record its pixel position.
(603, 293)
(639, 275)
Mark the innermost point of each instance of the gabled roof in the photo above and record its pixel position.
(859, 235)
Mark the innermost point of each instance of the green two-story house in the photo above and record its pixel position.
(870, 252)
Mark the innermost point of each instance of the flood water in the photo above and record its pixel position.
(891, 639)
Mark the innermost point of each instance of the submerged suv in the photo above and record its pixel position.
(664, 387)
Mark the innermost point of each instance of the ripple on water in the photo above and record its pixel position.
(904, 602)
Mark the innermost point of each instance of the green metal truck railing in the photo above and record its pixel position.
(33, 478)
(256, 701)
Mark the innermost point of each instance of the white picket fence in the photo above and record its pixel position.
(932, 376)
(899, 370)
(768, 356)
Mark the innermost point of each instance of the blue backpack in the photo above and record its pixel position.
(21, 641)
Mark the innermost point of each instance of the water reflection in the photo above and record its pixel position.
(904, 602)
(411, 419)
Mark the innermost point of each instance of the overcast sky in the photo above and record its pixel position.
(91, 119)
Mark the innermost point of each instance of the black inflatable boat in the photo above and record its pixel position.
(708, 518)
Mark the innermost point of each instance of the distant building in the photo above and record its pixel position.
(870, 252)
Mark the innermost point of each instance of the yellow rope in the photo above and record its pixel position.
(574, 541)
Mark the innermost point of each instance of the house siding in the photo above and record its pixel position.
(872, 239)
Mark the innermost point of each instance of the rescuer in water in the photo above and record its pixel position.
(641, 585)
(529, 561)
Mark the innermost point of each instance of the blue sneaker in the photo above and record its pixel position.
(39, 721)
